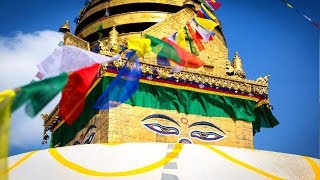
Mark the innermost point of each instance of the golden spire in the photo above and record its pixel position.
(237, 65)
(113, 38)
(65, 27)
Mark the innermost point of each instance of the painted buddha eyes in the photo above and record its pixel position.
(162, 129)
(206, 136)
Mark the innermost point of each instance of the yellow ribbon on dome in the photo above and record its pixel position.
(6, 99)
(141, 45)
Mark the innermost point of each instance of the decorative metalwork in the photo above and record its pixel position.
(72, 40)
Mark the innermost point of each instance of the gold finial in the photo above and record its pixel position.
(113, 39)
(65, 27)
(237, 65)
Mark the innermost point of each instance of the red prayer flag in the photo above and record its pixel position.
(187, 59)
(215, 5)
(200, 14)
(195, 39)
(75, 92)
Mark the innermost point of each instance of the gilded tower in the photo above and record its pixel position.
(213, 104)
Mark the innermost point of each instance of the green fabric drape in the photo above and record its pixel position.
(184, 101)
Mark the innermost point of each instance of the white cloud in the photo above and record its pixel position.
(19, 56)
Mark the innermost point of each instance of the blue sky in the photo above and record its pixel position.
(271, 38)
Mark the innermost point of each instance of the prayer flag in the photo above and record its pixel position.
(75, 92)
(173, 37)
(208, 14)
(177, 68)
(206, 23)
(142, 46)
(164, 49)
(107, 12)
(39, 94)
(187, 59)
(162, 61)
(200, 14)
(193, 49)
(174, 52)
(181, 39)
(205, 34)
(123, 86)
(6, 98)
(195, 39)
(76, 20)
(214, 5)
(70, 58)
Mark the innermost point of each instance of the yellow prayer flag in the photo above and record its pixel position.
(141, 45)
(289, 5)
(181, 38)
(212, 16)
(206, 23)
(6, 99)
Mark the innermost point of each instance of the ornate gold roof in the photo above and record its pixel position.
(65, 27)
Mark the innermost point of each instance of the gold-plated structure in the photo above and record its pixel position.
(65, 27)
(72, 40)
(126, 18)
(122, 124)
(237, 65)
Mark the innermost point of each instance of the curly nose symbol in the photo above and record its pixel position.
(184, 141)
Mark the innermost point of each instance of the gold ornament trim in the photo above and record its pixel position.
(127, 18)
(118, 3)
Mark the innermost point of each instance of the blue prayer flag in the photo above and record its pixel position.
(162, 61)
(123, 86)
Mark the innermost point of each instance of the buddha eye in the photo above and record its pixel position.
(206, 136)
(162, 129)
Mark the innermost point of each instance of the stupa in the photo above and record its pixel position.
(213, 104)
(170, 126)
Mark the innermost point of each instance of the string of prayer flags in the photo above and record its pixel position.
(187, 59)
(181, 38)
(6, 99)
(163, 49)
(38, 94)
(208, 14)
(141, 45)
(171, 50)
(302, 14)
(123, 86)
(195, 39)
(70, 58)
(75, 92)
(193, 49)
(206, 23)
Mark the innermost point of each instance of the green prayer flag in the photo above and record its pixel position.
(163, 49)
(38, 94)
(100, 28)
(192, 47)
